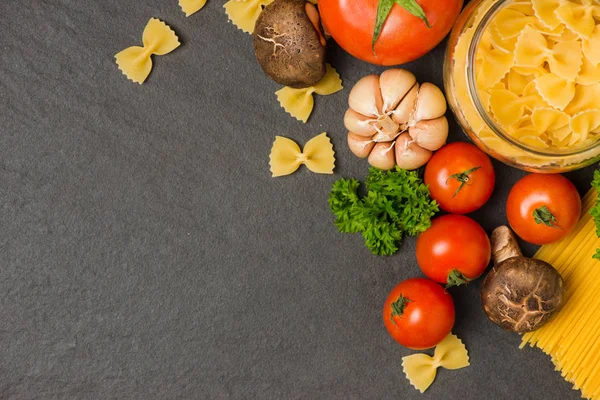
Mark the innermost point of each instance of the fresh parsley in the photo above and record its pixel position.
(595, 211)
(397, 204)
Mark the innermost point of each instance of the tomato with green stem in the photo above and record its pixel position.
(418, 313)
(460, 177)
(454, 250)
(543, 208)
(389, 32)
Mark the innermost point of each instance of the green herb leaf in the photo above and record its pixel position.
(397, 204)
(543, 215)
(595, 211)
(384, 7)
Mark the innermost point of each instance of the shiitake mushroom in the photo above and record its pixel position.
(520, 294)
(289, 44)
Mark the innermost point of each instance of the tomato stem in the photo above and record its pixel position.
(463, 178)
(398, 307)
(456, 278)
(384, 7)
(543, 215)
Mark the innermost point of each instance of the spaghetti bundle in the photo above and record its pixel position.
(572, 337)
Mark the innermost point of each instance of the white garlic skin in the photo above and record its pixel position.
(382, 156)
(365, 97)
(360, 146)
(430, 134)
(409, 155)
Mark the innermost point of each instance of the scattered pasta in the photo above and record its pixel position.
(286, 156)
(135, 61)
(420, 369)
(244, 13)
(299, 102)
(190, 7)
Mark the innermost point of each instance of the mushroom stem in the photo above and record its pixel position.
(504, 244)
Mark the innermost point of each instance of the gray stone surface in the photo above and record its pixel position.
(146, 253)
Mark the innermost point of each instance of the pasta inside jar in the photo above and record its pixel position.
(523, 79)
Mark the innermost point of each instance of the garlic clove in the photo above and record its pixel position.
(431, 103)
(409, 155)
(385, 136)
(430, 134)
(395, 84)
(359, 124)
(401, 115)
(382, 156)
(360, 146)
(365, 97)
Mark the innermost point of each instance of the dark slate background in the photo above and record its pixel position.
(146, 253)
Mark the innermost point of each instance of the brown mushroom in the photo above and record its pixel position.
(520, 294)
(289, 44)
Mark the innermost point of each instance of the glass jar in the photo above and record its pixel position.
(476, 120)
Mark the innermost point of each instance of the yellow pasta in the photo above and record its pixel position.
(545, 11)
(135, 62)
(591, 46)
(190, 7)
(244, 13)
(299, 102)
(572, 337)
(420, 369)
(556, 91)
(579, 18)
(549, 119)
(535, 63)
(286, 156)
(532, 51)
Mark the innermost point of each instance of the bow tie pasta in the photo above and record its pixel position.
(537, 73)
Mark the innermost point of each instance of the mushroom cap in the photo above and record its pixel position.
(521, 294)
(287, 45)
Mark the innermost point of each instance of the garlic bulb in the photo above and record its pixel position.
(392, 120)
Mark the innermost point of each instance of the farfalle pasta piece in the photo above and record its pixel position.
(524, 7)
(578, 17)
(584, 123)
(508, 108)
(244, 13)
(421, 369)
(495, 64)
(286, 156)
(564, 58)
(587, 97)
(509, 23)
(555, 90)
(516, 83)
(135, 62)
(589, 73)
(545, 11)
(500, 43)
(299, 102)
(591, 46)
(190, 7)
(549, 119)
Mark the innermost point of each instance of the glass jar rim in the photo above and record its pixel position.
(477, 102)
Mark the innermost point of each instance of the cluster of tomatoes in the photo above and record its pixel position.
(541, 208)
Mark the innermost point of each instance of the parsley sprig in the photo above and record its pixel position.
(397, 204)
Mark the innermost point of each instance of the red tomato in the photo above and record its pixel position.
(461, 178)
(454, 250)
(543, 208)
(418, 313)
(403, 37)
